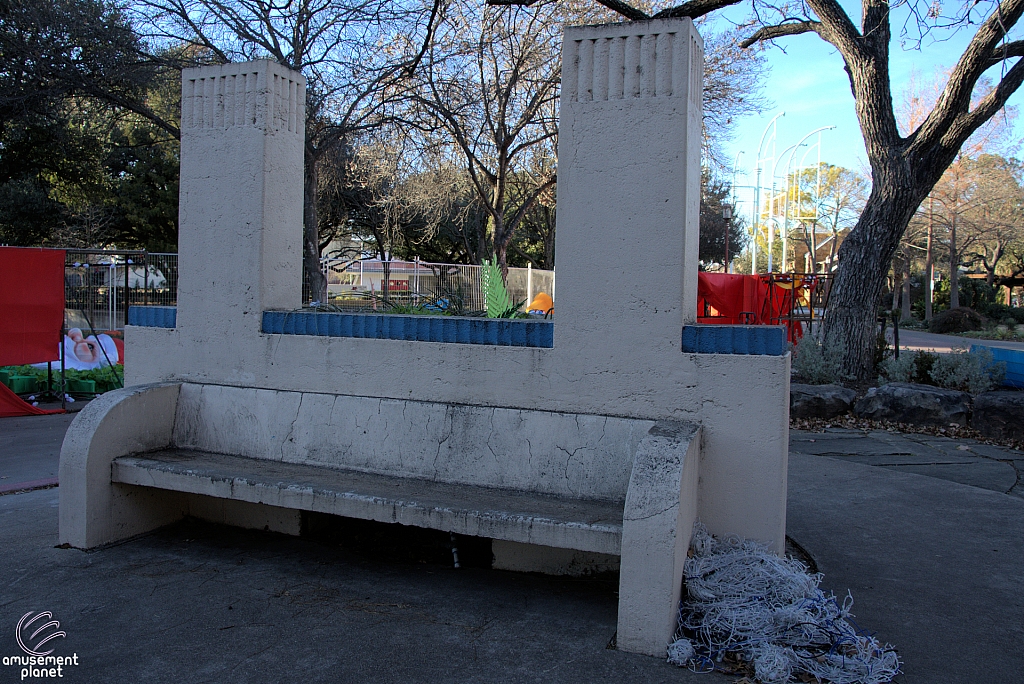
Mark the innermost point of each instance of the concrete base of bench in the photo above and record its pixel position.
(124, 472)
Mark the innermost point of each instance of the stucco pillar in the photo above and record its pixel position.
(240, 202)
(628, 187)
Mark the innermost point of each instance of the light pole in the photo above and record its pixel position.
(771, 204)
(758, 165)
(727, 210)
(789, 176)
(727, 215)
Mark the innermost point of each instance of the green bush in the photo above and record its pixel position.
(912, 366)
(106, 378)
(974, 294)
(816, 365)
(902, 369)
(969, 372)
(956, 320)
(960, 370)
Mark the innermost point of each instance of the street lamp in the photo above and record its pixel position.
(727, 215)
(758, 165)
(789, 176)
(727, 209)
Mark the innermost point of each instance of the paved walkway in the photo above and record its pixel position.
(918, 339)
(929, 537)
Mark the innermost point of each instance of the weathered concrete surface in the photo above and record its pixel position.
(30, 447)
(934, 566)
(956, 460)
(121, 422)
(197, 603)
(819, 401)
(631, 142)
(529, 518)
(661, 508)
(549, 560)
(918, 553)
(579, 456)
(906, 402)
(999, 415)
(240, 200)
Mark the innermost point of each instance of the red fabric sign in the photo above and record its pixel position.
(31, 304)
(11, 405)
(747, 300)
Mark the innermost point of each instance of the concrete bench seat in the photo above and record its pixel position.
(539, 484)
(525, 517)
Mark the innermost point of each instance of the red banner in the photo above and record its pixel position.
(733, 299)
(31, 304)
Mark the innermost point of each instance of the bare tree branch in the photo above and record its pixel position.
(694, 8)
(793, 28)
(625, 10)
(955, 100)
(1006, 51)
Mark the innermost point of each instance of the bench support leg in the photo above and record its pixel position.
(661, 508)
(94, 511)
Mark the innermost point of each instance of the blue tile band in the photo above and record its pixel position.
(759, 340)
(500, 332)
(153, 316)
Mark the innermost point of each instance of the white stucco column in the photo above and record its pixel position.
(628, 186)
(240, 202)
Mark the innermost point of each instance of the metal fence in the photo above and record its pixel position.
(100, 285)
(366, 283)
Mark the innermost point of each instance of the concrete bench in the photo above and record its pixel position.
(145, 456)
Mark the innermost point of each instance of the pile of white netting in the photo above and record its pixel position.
(746, 606)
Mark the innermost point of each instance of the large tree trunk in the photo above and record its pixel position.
(906, 289)
(311, 233)
(954, 268)
(864, 258)
(929, 267)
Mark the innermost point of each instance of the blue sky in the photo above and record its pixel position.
(808, 82)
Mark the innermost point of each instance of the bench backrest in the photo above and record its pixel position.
(574, 455)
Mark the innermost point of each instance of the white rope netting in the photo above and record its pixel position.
(744, 603)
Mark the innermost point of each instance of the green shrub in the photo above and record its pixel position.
(923, 364)
(956, 320)
(912, 366)
(902, 369)
(974, 294)
(816, 365)
(969, 372)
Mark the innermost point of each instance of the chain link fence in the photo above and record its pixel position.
(366, 284)
(100, 285)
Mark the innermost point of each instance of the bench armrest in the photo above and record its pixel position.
(661, 508)
(131, 420)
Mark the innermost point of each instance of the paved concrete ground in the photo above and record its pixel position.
(936, 567)
(918, 339)
(30, 448)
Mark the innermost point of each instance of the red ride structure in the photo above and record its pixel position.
(795, 300)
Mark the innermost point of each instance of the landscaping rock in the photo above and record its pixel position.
(999, 415)
(904, 402)
(819, 401)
